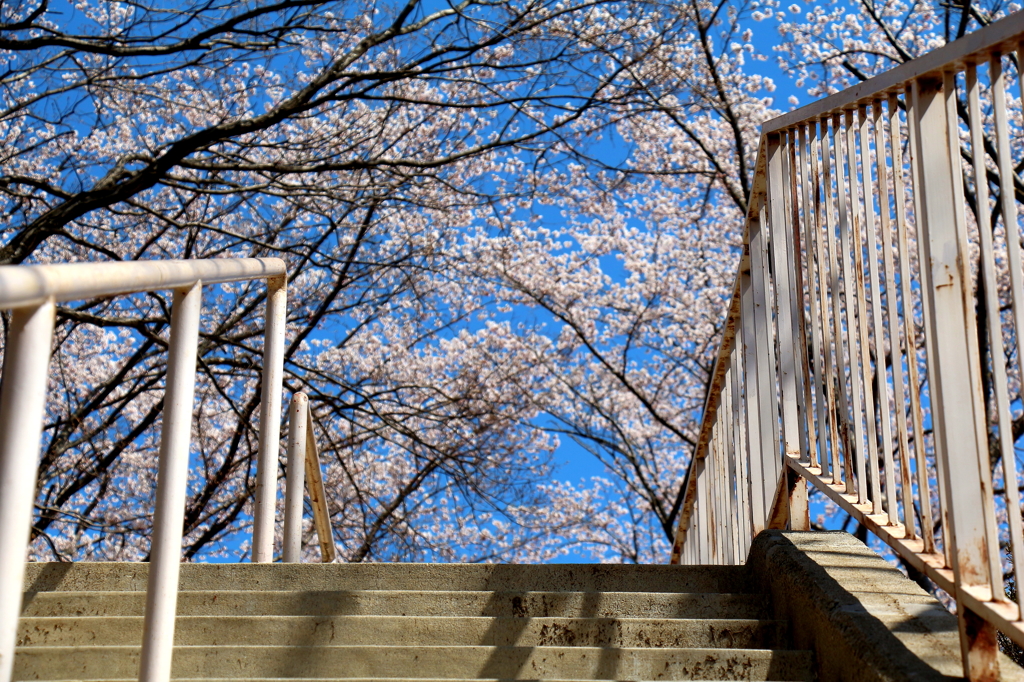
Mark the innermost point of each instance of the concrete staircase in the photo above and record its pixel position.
(404, 621)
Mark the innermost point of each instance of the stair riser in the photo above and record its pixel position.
(86, 577)
(411, 631)
(402, 603)
(93, 663)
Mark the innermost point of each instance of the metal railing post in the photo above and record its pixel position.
(270, 421)
(957, 372)
(295, 478)
(777, 191)
(766, 472)
(22, 403)
(755, 487)
(172, 487)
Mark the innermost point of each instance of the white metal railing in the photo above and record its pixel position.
(31, 293)
(304, 467)
(854, 325)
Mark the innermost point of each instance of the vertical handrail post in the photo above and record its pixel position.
(778, 217)
(957, 385)
(22, 404)
(751, 399)
(172, 488)
(295, 478)
(270, 421)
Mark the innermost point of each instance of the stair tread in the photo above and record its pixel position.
(102, 576)
(102, 662)
(412, 631)
(409, 602)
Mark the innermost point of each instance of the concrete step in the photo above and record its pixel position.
(89, 577)
(408, 603)
(442, 662)
(412, 631)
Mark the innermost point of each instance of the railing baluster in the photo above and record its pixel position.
(751, 399)
(739, 418)
(864, 233)
(827, 414)
(841, 412)
(873, 191)
(810, 214)
(704, 536)
(893, 324)
(793, 255)
(910, 334)
(727, 507)
(270, 421)
(1008, 204)
(764, 367)
(997, 355)
(291, 551)
(723, 477)
(714, 499)
(785, 339)
(172, 487)
(835, 365)
(853, 277)
(22, 406)
(732, 433)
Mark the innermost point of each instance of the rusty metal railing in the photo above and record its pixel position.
(871, 345)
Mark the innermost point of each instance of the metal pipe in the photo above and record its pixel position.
(22, 401)
(295, 479)
(30, 285)
(270, 421)
(172, 488)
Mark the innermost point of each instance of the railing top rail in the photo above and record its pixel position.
(32, 285)
(1000, 35)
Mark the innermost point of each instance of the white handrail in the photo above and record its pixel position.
(304, 466)
(822, 322)
(31, 293)
(30, 285)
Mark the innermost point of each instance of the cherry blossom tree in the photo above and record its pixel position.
(505, 222)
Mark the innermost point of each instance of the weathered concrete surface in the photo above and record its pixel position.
(87, 577)
(408, 603)
(412, 631)
(400, 621)
(864, 619)
(381, 662)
